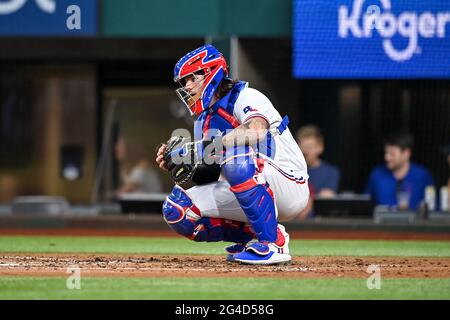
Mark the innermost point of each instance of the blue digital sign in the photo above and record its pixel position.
(48, 17)
(371, 39)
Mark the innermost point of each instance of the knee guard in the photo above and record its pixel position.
(180, 213)
(185, 219)
(256, 198)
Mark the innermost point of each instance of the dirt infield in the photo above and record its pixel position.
(216, 266)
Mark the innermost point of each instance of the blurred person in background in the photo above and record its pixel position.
(448, 183)
(323, 177)
(137, 177)
(446, 152)
(399, 182)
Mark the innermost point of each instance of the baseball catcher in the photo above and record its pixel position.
(248, 171)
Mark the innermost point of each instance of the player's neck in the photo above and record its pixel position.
(213, 100)
(402, 171)
(315, 163)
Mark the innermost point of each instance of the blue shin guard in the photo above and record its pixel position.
(258, 203)
(185, 219)
(256, 199)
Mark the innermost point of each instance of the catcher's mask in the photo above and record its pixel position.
(208, 60)
(191, 95)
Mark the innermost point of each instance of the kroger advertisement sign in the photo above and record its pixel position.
(371, 39)
(48, 17)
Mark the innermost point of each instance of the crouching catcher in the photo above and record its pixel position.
(247, 169)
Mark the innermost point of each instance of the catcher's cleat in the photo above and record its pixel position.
(230, 258)
(234, 249)
(263, 253)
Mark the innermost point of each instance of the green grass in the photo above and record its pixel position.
(222, 288)
(60, 244)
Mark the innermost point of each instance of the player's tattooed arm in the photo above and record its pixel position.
(249, 133)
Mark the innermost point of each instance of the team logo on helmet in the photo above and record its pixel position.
(208, 62)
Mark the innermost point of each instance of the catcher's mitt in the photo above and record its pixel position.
(185, 161)
(182, 159)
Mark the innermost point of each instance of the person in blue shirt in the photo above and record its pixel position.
(446, 152)
(400, 182)
(323, 177)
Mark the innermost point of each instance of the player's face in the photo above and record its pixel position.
(191, 89)
(395, 157)
(311, 148)
(193, 83)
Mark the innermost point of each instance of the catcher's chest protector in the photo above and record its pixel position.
(219, 118)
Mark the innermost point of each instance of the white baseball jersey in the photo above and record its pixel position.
(288, 156)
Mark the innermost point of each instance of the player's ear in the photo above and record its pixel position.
(407, 153)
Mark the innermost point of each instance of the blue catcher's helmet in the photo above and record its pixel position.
(208, 61)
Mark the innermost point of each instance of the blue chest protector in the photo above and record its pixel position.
(219, 119)
(212, 122)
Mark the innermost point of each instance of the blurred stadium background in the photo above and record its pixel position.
(67, 95)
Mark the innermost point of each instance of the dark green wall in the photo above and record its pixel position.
(199, 18)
